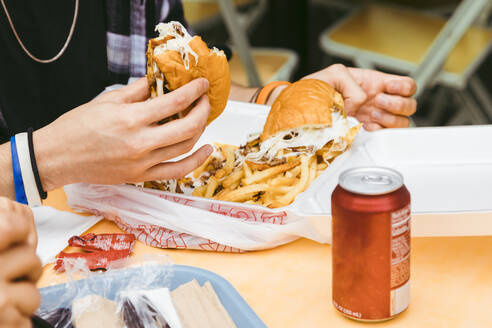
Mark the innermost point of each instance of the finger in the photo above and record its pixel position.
(351, 91)
(20, 262)
(136, 91)
(364, 114)
(174, 102)
(15, 223)
(11, 317)
(374, 82)
(363, 118)
(389, 120)
(184, 128)
(24, 296)
(400, 85)
(396, 104)
(32, 238)
(176, 170)
(372, 127)
(167, 153)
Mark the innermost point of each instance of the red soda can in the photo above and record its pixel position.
(371, 244)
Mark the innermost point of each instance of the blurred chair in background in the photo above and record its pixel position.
(249, 66)
(428, 48)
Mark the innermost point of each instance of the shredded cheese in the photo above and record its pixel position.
(311, 138)
(179, 43)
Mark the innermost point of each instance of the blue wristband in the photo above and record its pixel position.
(20, 193)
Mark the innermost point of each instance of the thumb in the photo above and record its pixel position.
(353, 95)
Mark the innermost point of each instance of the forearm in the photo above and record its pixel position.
(241, 93)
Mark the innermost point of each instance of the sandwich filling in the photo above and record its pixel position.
(178, 39)
(172, 36)
(301, 140)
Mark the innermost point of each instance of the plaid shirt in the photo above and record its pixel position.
(130, 24)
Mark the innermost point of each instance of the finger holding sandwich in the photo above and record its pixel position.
(378, 100)
(124, 124)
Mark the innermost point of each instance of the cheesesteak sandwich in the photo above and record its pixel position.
(175, 58)
(306, 129)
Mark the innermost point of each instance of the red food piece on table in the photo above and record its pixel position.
(95, 260)
(103, 242)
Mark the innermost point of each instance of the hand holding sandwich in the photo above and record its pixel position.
(20, 267)
(116, 139)
(377, 99)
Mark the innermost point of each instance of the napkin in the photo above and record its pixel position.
(55, 227)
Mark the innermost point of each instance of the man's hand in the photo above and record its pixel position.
(377, 99)
(20, 268)
(116, 139)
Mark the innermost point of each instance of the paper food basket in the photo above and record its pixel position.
(447, 171)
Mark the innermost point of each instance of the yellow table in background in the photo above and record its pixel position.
(290, 286)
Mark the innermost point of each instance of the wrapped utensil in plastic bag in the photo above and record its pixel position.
(114, 298)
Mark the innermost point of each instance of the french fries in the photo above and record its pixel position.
(200, 191)
(297, 188)
(211, 186)
(198, 171)
(233, 178)
(282, 181)
(258, 166)
(247, 170)
(268, 173)
(312, 170)
(230, 157)
(243, 193)
(255, 183)
(225, 177)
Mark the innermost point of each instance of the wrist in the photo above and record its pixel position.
(254, 95)
(275, 93)
(265, 96)
(50, 159)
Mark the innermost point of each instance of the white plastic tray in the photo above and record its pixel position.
(446, 169)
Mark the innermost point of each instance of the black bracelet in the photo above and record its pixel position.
(255, 95)
(43, 194)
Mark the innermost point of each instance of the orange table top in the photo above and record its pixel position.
(290, 286)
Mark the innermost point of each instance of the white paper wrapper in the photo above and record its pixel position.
(167, 220)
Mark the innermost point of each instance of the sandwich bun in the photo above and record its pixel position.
(307, 102)
(180, 58)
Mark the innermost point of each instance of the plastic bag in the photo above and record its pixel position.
(167, 220)
(116, 297)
